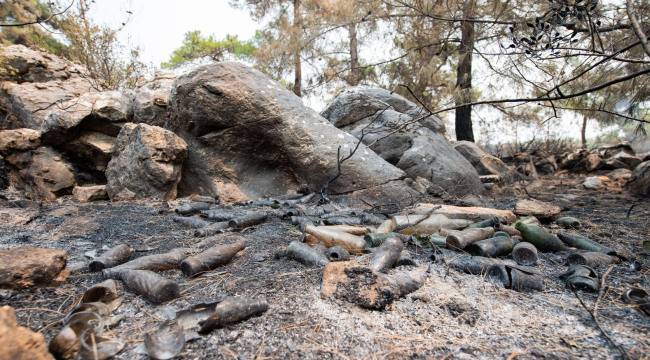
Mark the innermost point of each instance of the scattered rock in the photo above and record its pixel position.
(621, 176)
(25, 267)
(640, 182)
(483, 162)
(597, 183)
(419, 148)
(539, 209)
(18, 342)
(147, 162)
(19, 140)
(85, 194)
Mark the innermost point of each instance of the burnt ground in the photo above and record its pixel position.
(453, 315)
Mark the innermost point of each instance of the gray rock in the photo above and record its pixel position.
(387, 123)
(146, 163)
(44, 173)
(151, 101)
(640, 182)
(483, 162)
(253, 138)
(360, 102)
(103, 112)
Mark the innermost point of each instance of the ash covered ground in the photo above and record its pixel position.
(453, 315)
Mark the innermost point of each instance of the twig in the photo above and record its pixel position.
(593, 313)
(340, 160)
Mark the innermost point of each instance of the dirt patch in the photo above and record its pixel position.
(452, 315)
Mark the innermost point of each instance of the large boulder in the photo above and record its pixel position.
(639, 184)
(404, 135)
(146, 163)
(18, 342)
(484, 163)
(250, 136)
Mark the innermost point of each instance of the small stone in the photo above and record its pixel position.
(85, 194)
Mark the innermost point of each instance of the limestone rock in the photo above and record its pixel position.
(34, 84)
(387, 123)
(542, 210)
(147, 162)
(18, 342)
(24, 267)
(44, 173)
(611, 150)
(151, 101)
(19, 140)
(85, 194)
(360, 102)
(247, 133)
(484, 163)
(602, 183)
(622, 160)
(621, 176)
(103, 112)
(640, 182)
(92, 149)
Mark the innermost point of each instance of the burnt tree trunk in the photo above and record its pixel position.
(464, 75)
(355, 75)
(297, 30)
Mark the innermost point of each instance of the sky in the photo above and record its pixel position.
(158, 26)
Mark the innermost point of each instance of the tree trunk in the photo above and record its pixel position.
(464, 75)
(583, 133)
(355, 74)
(297, 30)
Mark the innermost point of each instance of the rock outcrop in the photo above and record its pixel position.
(34, 84)
(254, 138)
(151, 101)
(19, 140)
(44, 173)
(405, 136)
(146, 162)
(18, 342)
